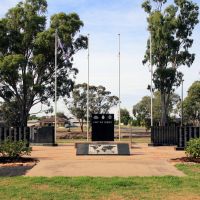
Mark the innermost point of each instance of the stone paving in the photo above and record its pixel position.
(143, 161)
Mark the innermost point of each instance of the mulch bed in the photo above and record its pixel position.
(22, 161)
(186, 160)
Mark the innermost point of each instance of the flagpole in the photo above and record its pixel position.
(56, 53)
(151, 79)
(119, 92)
(182, 101)
(88, 81)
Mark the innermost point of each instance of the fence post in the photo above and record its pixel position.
(1, 135)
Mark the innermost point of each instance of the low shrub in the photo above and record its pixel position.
(14, 149)
(193, 148)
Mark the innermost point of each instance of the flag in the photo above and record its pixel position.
(60, 45)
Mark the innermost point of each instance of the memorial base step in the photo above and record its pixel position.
(102, 148)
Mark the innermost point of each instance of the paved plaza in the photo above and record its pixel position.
(143, 161)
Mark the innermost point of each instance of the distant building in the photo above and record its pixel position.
(33, 123)
(75, 122)
(50, 121)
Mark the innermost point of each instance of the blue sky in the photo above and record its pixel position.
(103, 20)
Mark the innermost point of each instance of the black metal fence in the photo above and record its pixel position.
(172, 135)
(164, 135)
(42, 135)
(37, 136)
(185, 134)
(15, 134)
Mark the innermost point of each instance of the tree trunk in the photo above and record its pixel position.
(164, 106)
(24, 118)
(81, 125)
(24, 115)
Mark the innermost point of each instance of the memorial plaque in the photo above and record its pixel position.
(102, 127)
(102, 149)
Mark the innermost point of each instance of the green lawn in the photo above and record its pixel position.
(167, 187)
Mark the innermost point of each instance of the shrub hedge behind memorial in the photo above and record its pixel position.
(193, 148)
(14, 149)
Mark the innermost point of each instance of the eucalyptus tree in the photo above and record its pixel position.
(125, 116)
(142, 110)
(191, 105)
(27, 48)
(171, 28)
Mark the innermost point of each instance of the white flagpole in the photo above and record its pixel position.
(88, 91)
(182, 102)
(119, 93)
(56, 53)
(151, 80)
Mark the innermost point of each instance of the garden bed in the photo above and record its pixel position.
(186, 160)
(21, 161)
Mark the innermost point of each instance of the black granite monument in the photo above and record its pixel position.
(102, 127)
(102, 138)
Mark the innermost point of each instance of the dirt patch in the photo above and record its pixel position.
(41, 187)
(113, 196)
(71, 135)
(186, 160)
(183, 197)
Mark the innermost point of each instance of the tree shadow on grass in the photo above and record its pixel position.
(14, 170)
(16, 166)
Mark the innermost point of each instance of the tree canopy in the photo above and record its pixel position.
(125, 116)
(191, 105)
(27, 70)
(142, 110)
(171, 28)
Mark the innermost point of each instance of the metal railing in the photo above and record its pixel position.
(15, 134)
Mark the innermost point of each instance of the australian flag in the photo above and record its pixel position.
(60, 45)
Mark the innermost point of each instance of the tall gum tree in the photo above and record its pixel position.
(27, 70)
(191, 105)
(170, 28)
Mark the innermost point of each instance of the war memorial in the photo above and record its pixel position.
(99, 100)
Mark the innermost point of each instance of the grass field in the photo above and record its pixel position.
(124, 129)
(134, 140)
(86, 188)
